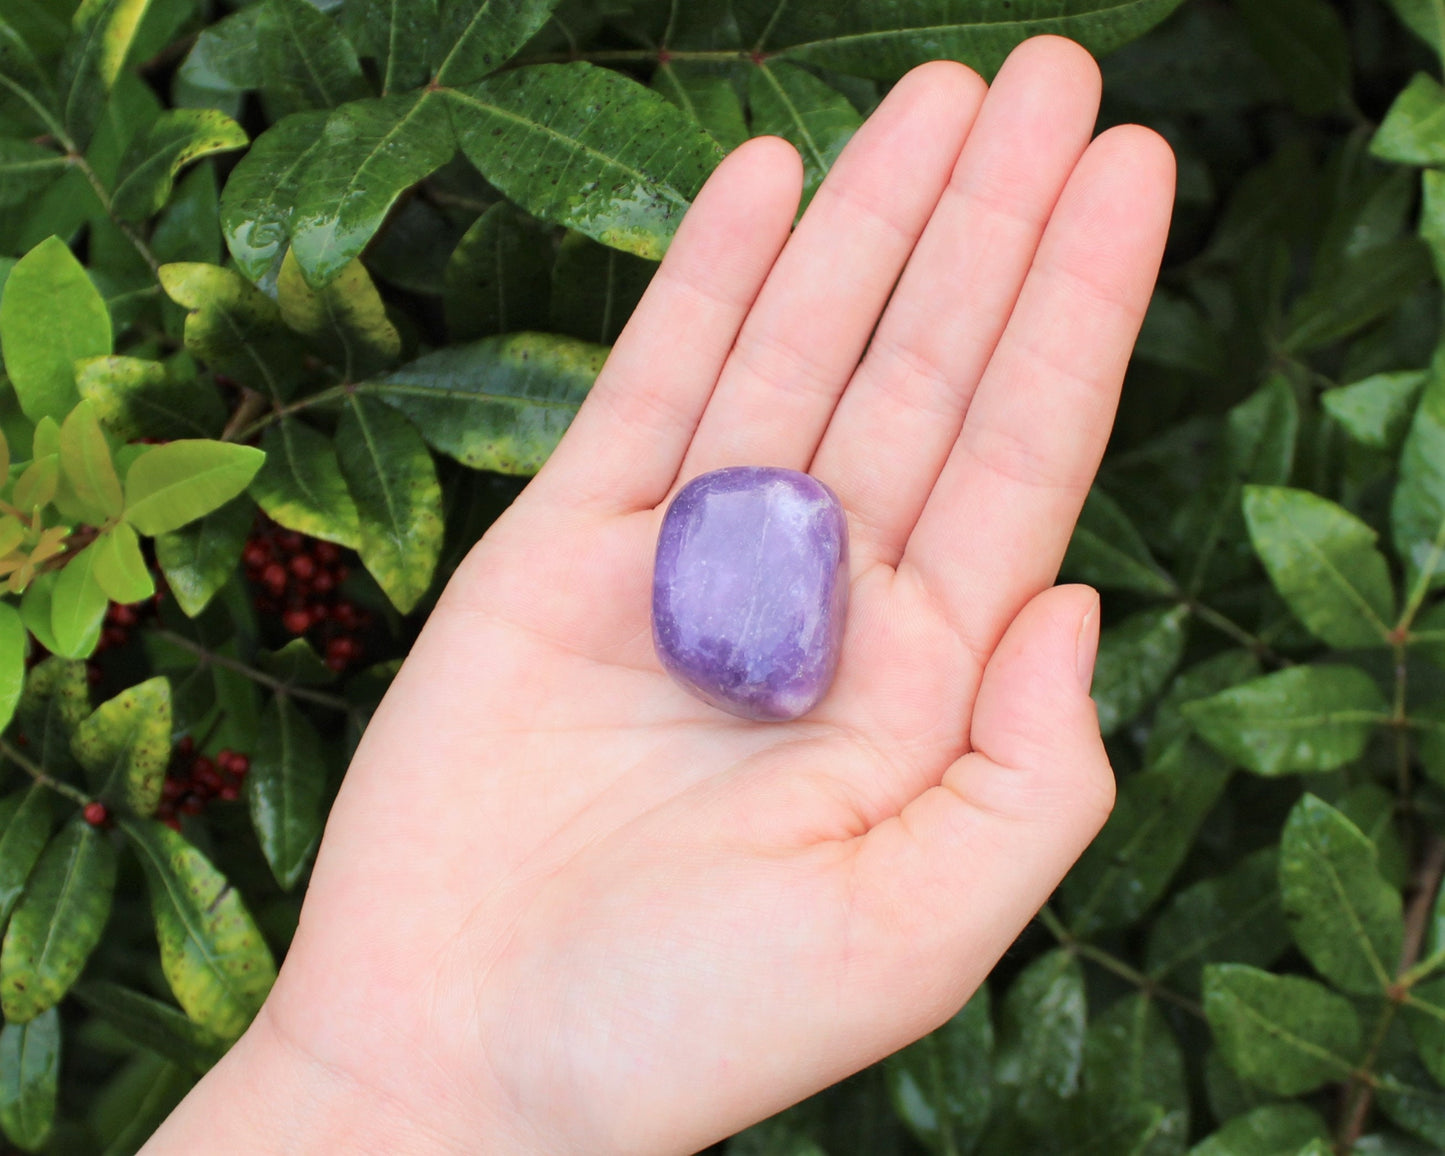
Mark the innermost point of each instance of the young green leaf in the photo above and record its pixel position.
(499, 404)
(1376, 411)
(496, 279)
(104, 33)
(1413, 131)
(26, 822)
(1304, 718)
(371, 152)
(136, 398)
(77, 606)
(595, 289)
(120, 567)
(57, 922)
(1107, 551)
(305, 60)
(1270, 1130)
(125, 745)
(301, 487)
(1287, 1034)
(811, 115)
(86, 464)
(1343, 914)
(1324, 562)
(941, 1085)
(39, 355)
(394, 484)
(632, 160)
(151, 1024)
(284, 790)
(214, 958)
(259, 201)
(171, 485)
(346, 320)
(479, 36)
(1040, 1048)
(200, 558)
(1135, 659)
(30, 1079)
(176, 138)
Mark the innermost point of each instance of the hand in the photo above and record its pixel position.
(563, 907)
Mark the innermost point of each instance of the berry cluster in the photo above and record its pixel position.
(300, 580)
(193, 780)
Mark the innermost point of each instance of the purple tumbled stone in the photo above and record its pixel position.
(750, 589)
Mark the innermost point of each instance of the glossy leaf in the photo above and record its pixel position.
(1413, 131)
(301, 487)
(478, 36)
(708, 96)
(214, 959)
(170, 485)
(1305, 43)
(1132, 1058)
(12, 662)
(397, 35)
(1417, 514)
(1343, 914)
(39, 355)
(1304, 718)
(371, 152)
(941, 1085)
(1040, 1049)
(305, 60)
(151, 1024)
(346, 321)
(234, 328)
(77, 606)
(632, 160)
(1287, 1034)
(178, 137)
(200, 558)
(284, 790)
(135, 398)
(498, 404)
(1424, 1014)
(30, 1079)
(296, 664)
(1108, 552)
(85, 462)
(1271, 1130)
(1135, 659)
(226, 57)
(57, 922)
(1365, 288)
(56, 698)
(1324, 562)
(496, 279)
(1411, 1099)
(119, 566)
(595, 289)
(26, 819)
(25, 169)
(394, 484)
(811, 115)
(884, 40)
(259, 200)
(104, 33)
(1376, 411)
(125, 745)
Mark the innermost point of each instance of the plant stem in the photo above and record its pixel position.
(1425, 887)
(639, 56)
(319, 697)
(335, 393)
(1113, 963)
(102, 194)
(1227, 625)
(31, 768)
(252, 405)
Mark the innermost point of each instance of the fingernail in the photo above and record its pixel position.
(1087, 646)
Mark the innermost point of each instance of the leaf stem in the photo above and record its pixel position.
(1226, 625)
(334, 393)
(1113, 963)
(36, 772)
(280, 686)
(102, 194)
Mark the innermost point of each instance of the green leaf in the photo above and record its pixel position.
(346, 320)
(1287, 1034)
(57, 922)
(1306, 44)
(234, 328)
(26, 169)
(1135, 659)
(104, 32)
(1376, 411)
(86, 464)
(56, 698)
(284, 790)
(397, 35)
(119, 566)
(501, 403)
(1425, 18)
(1233, 918)
(1324, 562)
(1304, 718)
(1270, 1130)
(77, 606)
(595, 289)
(201, 558)
(371, 152)
(1424, 1014)
(496, 279)
(168, 486)
(941, 1085)
(1107, 551)
(189, 228)
(884, 40)
(259, 201)
(1131, 1058)
(709, 97)
(296, 664)
(394, 484)
(478, 36)
(305, 60)
(1041, 1034)
(1417, 514)
(40, 356)
(1404, 1090)
(632, 161)
(12, 662)
(29, 1079)
(226, 57)
(26, 822)
(1343, 914)
(213, 956)
(175, 139)
(135, 398)
(135, 1101)
(1413, 131)
(301, 487)
(1371, 808)
(151, 1024)
(1366, 287)
(812, 116)
(125, 745)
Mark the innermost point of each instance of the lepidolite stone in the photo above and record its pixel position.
(750, 590)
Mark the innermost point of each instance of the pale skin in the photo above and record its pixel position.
(561, 906)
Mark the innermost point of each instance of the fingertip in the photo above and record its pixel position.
(1056, 56)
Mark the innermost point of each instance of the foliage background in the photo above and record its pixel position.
(388, 245)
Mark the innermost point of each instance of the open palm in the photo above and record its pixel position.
(563, 907)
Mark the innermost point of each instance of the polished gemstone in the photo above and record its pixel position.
(750, 589)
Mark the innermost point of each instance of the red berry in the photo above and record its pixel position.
(207, 777)
(192, 805)
(290, 541)
(229, 793)
(274, 577)
(319, 611)
(323, 583)
(303, 566)
(343, 647)
(256, 555)
(186, 745)
(240, 764)
(166, 809)
(341, 573)
(296, 620)
(173, 788)
(95, 814)
(345, 614)
(326, 553)
(113, 636)
(336, 664)
(173, 823)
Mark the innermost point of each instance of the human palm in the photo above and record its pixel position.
(563, 907)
